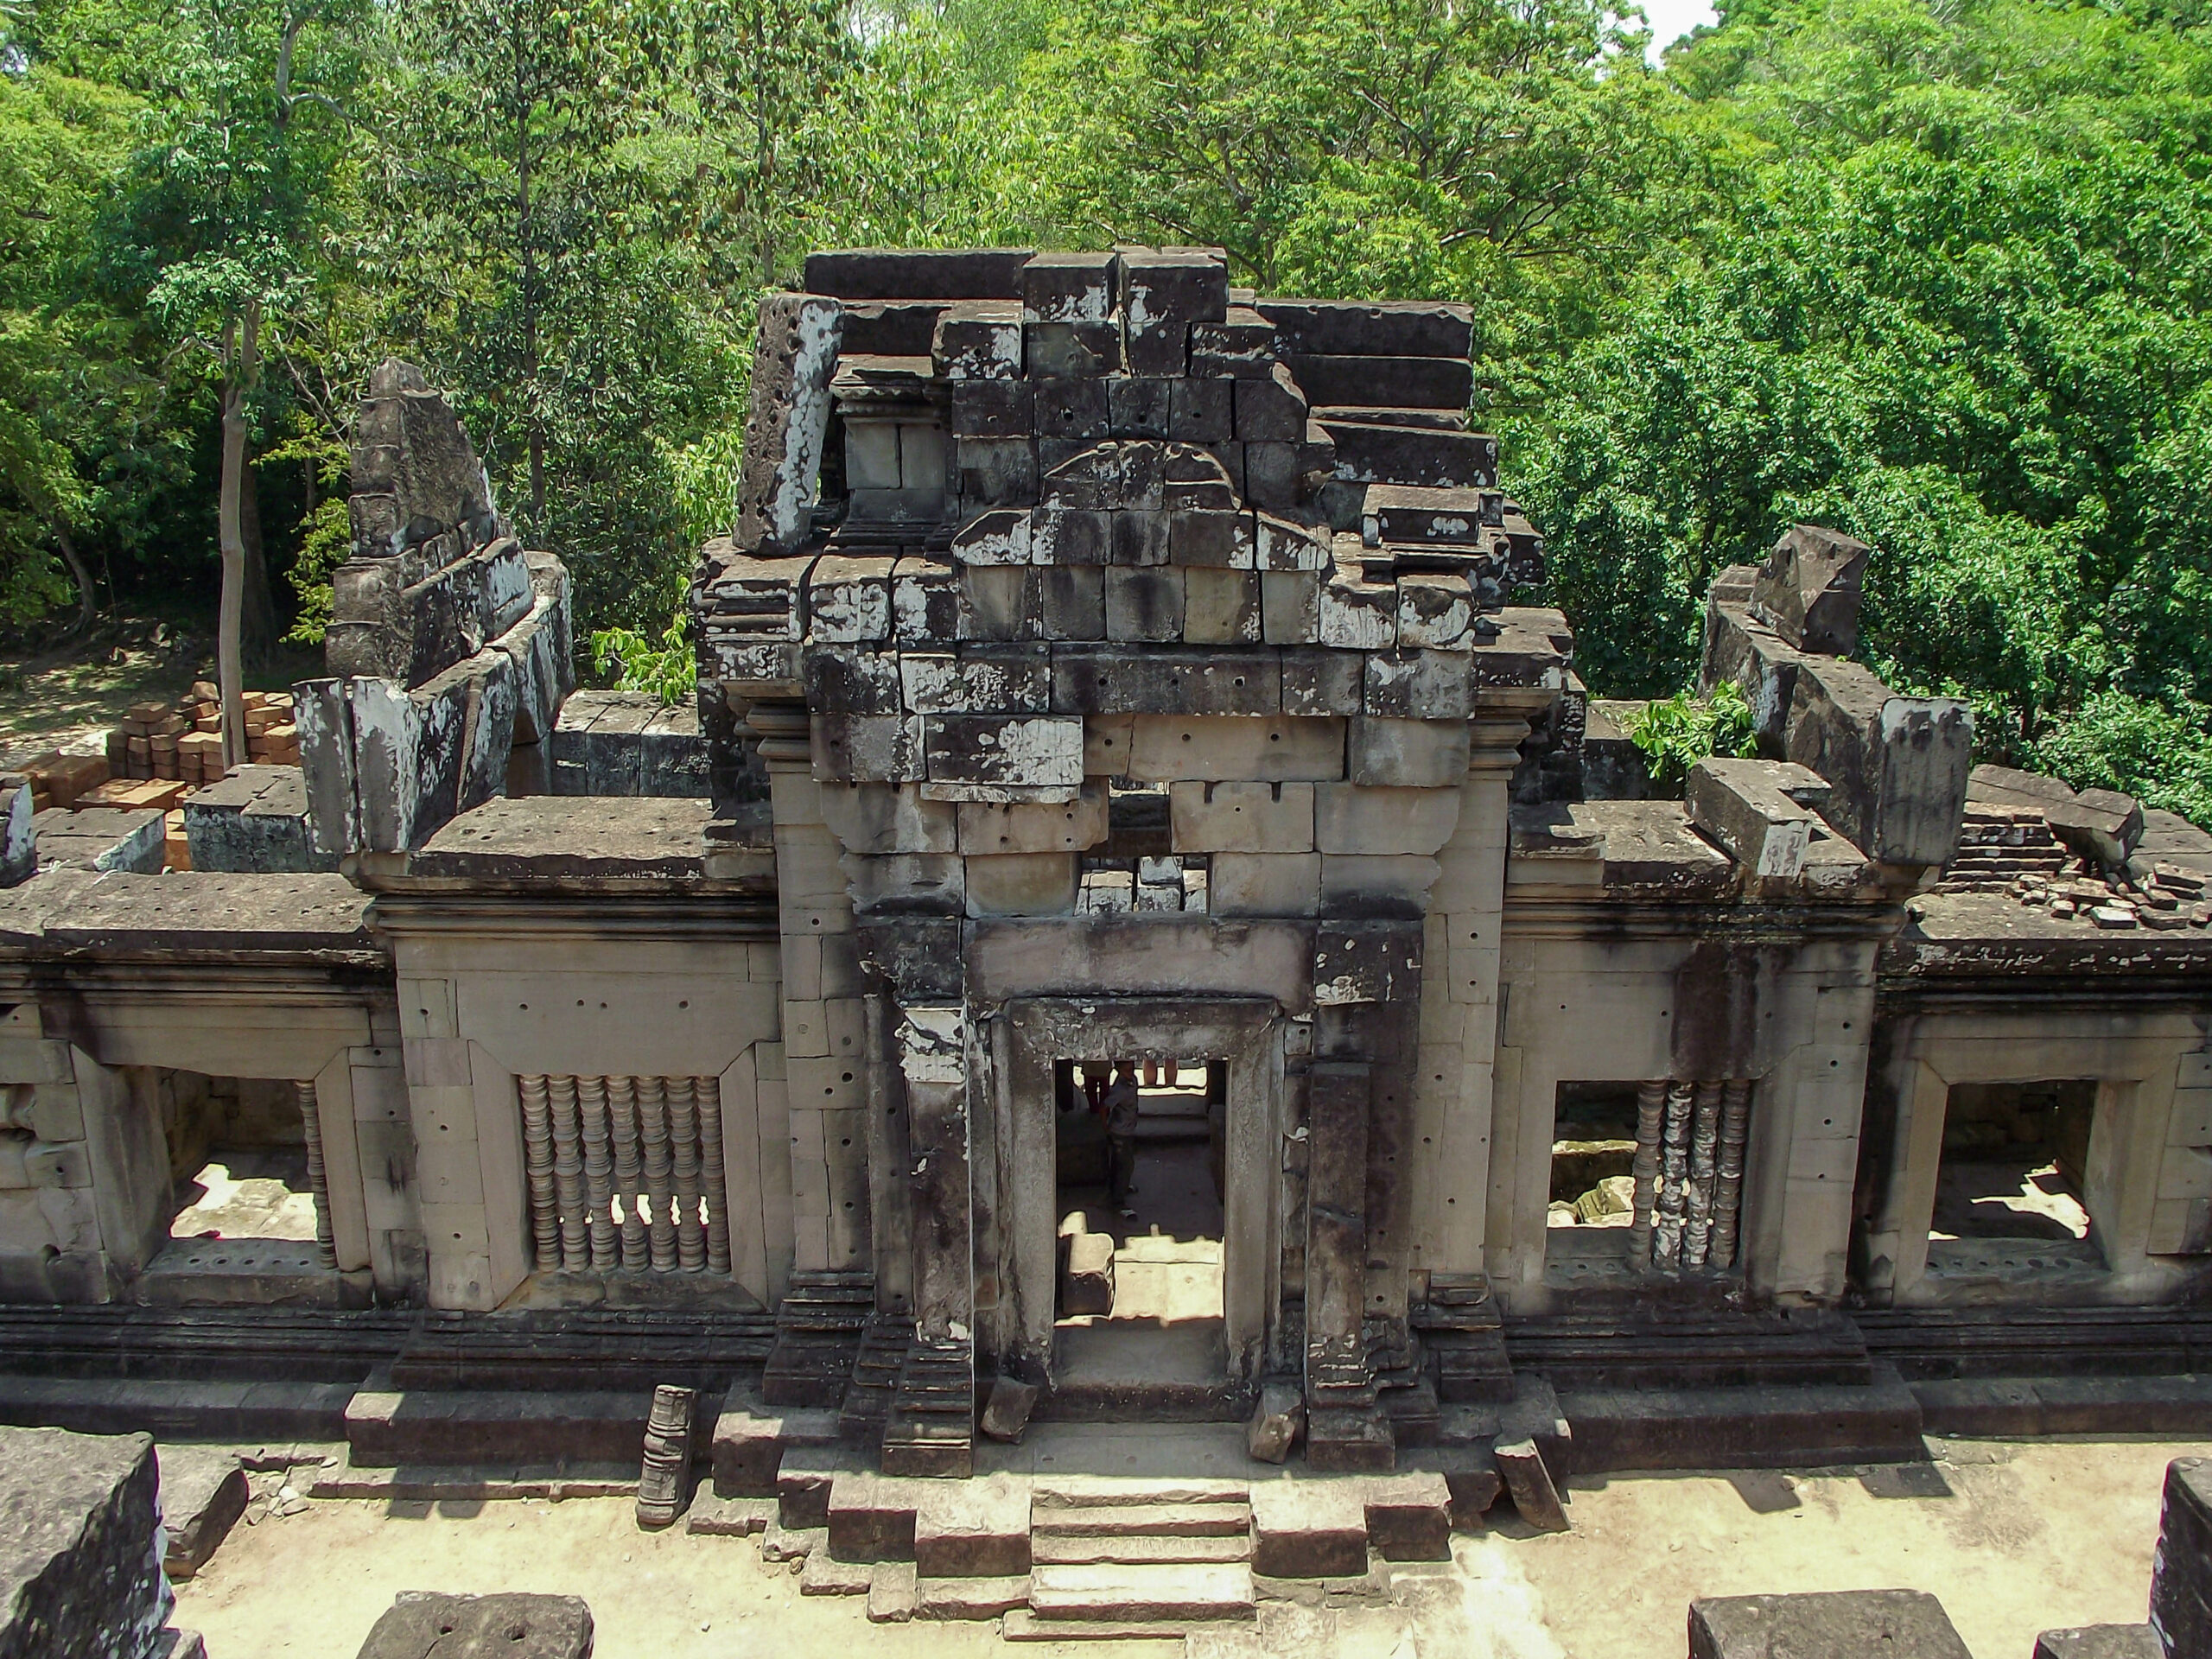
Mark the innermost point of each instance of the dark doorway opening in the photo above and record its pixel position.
(2013, 1161)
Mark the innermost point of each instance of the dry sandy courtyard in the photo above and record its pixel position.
(2014, 1537)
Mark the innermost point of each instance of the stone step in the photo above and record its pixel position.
(1219, 1520)
(1022, 1625)
(1053, 1550)
(1140, 1595)
(1101, 1491)
(389, 1428)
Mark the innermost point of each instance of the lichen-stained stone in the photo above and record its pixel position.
(1201, 411)
(981, 678)
(1745, 806)
(995, 828)
(1408, 754)
(1070, 409)
(1358, 615)
(1137, 537)
(1435, 611)
(1072, 349)
(1355, 819)
(1144, 605)
(1138, 408)
(877, 818)
(996, 471)
(1322, 682)
(979, 339)
(868, 748)
(991, 408)
(1270, 409)
(422, 1624)
(1376, 885)
(1028, 750)
(920, 953)
(925, 600)
(1212, 537)
(1274, 480)
(848, 680)
(792, 363)
(1419, 684)
(1022, 883)
(997, 537)
(1370, 327)
(1290, 611)
(1264, 884)
(1194, 479)
(1211, 748)
(848, 601)
(994, 601)
(1102, 679)
(1069, 535)
(1373, 452)
(1244, 818)
(1366, 962)
(1067, 602)
(1068, 288)
(1242, 346)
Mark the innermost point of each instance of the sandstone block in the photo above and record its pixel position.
(422, 1625)
(1112, 679)
(993, 602)
(1745, 806)
(1409, 1516)
(1068, 288)
(1408, 684)
(875, 819)
(1807, 590)
(203, 1493)
(1021, 884)
(971, 1597)
(1006, 1414)
(1376, 885)
(746, 1451)
(2181, 1570)
(979, 339)
(892, 1593)
(1906, 1624)
(972, 1529)
(1265, 884)
(871, 1517)
(1242, 818)
(868, 748)
(1067, 602)
(1001, 827)
(1021, 751)
(1220, 607)
(1308, 1530)
(1357, 818)
(1290, 611)
(1530, 1485)
(1206, 749)
(1087, 1282)
(1319, 682)
(2100, 1642)
(1277, 1419)
(1144, 604)
(1408, 754)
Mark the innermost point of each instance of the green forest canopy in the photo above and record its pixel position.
(1934, 273)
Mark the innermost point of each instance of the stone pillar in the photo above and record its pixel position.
(931, 1052)
(822, 987)
(1344, 1429)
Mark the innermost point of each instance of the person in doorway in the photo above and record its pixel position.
(1095, 1078)
(1121, 1106)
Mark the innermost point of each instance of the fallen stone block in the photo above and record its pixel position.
(1409, 1516)
(715, 1516)
(1898, 1623)
(1087, 1283)
(2181, 1568)
(1746, 805)
(1807, 590)
(892, 1593)
(825, 1575)
(420, 1626)
(1277, 1421)
(2100, 1642)
(749, 1440)
(82, 1572)
(972, 1529)
(781, 1543)
(1308, 1530)
(1530, 1485)
(203, 1491)
(1006, 1414)
(2101, 825)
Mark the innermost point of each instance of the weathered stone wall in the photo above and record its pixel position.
(82, 1572)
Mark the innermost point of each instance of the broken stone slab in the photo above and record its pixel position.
(1006, 1414)
(422, 1625)
(115, 839)
(1087, 1283)
(2181, 1569)
(1278, 1419)
(872, 1516)
(781, 1543)
(825, 1575)
(1369, 328)
(1530, 1485)
(1410, 1515)
(1807, 590)
(2100, 1642)
(786, 426)
(81, 1570)
(2101, 825)
(892, 1593)
(1308, 1530)
(1900, 1624)
(1748, 807)
(974, 1528)
(203, 1491)
(969, 1597)
(1898, 764)
(715, 1516)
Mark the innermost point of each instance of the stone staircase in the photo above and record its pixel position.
(1119, 1558)
(1997, 845)
(931, 1427)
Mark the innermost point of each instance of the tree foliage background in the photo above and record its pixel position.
(1936, 271)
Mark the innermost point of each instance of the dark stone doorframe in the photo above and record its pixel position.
(1247, 1033)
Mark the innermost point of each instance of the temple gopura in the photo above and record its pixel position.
(1109, 666)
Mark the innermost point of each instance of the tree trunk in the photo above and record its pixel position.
(87, 607)
(257, 626)
(242, 341)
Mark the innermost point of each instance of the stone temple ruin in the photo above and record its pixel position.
(1109, 666)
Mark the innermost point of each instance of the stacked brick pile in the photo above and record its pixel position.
(184, 741)
(63, 779)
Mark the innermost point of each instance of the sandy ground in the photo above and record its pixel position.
(2015, 1539)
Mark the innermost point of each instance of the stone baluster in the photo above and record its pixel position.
(1673, 1173)
(712, 1171)
(538, 1159)
(1705, 1132)
(652, 1129)
(622, 1111)
(1728, 1179)
(1650, 1110)
(683, 1148)
(568, 1172)
(599, 1170)
(326, 1246)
